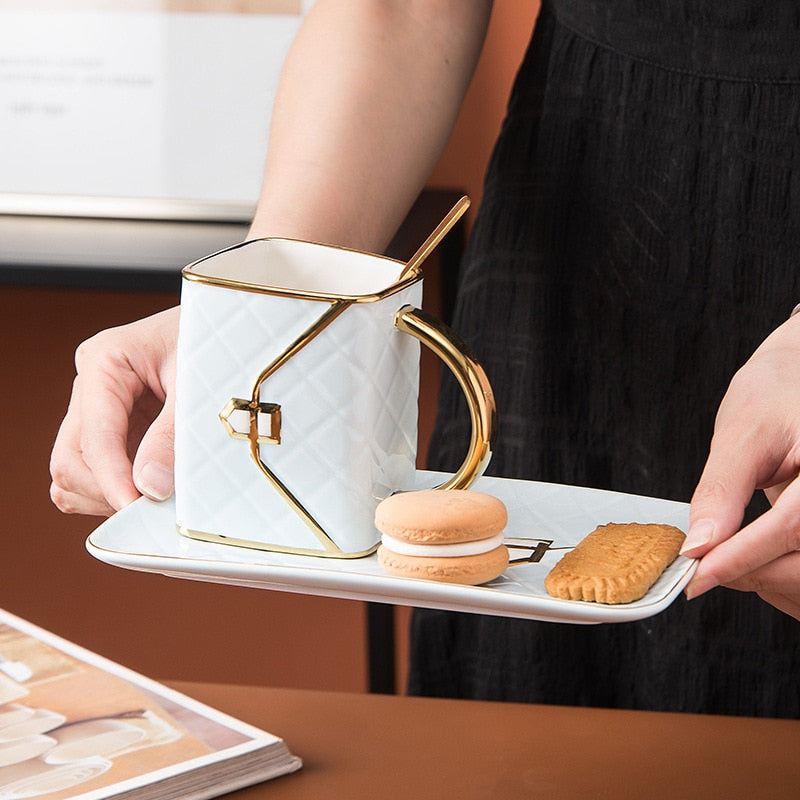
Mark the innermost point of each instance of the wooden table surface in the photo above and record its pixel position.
(382, 746)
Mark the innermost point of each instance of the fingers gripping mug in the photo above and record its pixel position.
(296, 398)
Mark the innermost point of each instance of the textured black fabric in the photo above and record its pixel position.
(638, 238)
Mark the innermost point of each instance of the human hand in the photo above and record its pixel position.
(756, 444)
(116, 440)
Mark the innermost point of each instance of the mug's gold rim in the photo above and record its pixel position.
(245, 286)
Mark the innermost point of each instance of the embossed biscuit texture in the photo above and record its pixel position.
(615, 563)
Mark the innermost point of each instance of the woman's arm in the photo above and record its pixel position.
(366, 102)
(367, 99)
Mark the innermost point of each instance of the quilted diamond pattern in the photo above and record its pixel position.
(349, 415)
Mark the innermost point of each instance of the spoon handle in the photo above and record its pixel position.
(438, 233)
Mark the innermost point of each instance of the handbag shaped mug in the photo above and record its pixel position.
(296, 395)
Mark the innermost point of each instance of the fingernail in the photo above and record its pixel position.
(700, 534)
(698, 586)
(155, 481)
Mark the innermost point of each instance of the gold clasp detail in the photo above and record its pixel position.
(262, 423)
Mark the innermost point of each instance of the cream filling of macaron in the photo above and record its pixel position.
(442, 550)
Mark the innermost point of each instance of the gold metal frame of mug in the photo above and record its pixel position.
(408, 319)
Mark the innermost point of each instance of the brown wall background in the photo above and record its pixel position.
(161, 626)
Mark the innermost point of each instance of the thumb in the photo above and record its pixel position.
(153, 466)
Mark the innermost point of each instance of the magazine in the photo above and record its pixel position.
(76, 726)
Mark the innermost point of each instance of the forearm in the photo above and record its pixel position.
(366, 102)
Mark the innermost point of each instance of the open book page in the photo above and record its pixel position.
(75, 725)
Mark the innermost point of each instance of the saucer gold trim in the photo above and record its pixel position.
(216, 538)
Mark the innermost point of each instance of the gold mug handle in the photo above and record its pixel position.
(437, 336)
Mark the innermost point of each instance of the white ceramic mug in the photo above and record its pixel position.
(296, 400)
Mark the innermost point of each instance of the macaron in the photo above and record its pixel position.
(448, 535)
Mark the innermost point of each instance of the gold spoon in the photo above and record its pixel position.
(426, 248)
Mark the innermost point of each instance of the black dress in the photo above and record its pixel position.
(639, 236)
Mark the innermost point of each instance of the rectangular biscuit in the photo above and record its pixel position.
(615, 563)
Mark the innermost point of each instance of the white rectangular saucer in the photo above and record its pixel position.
(544, 520)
